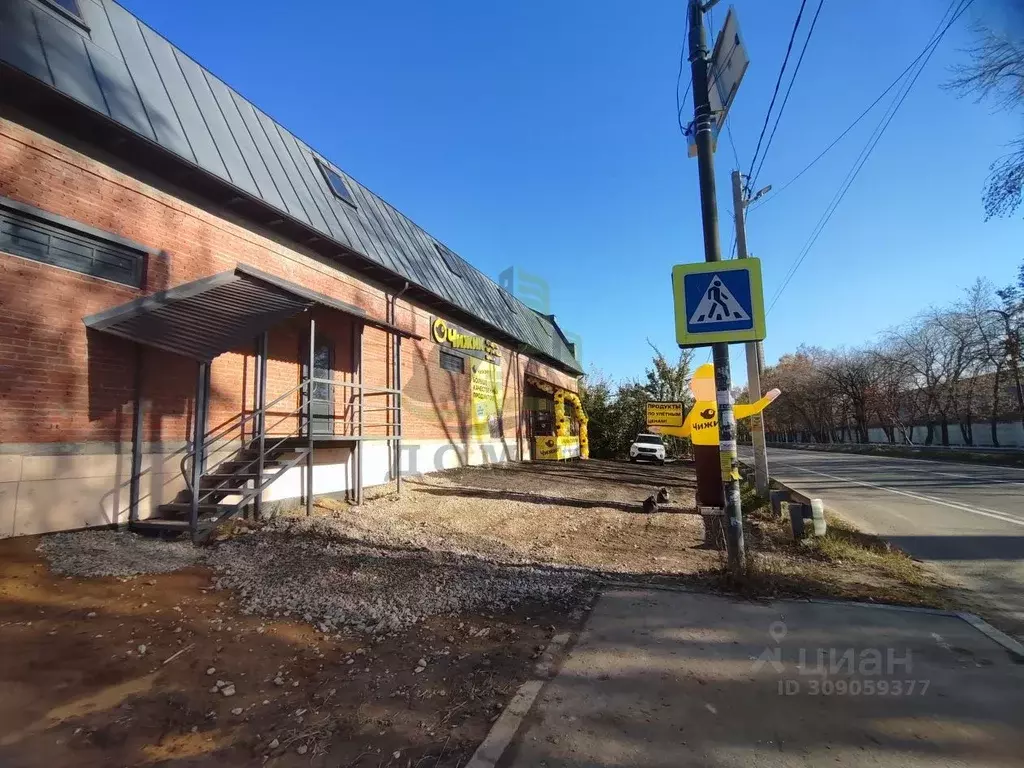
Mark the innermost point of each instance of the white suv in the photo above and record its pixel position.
(649, 447)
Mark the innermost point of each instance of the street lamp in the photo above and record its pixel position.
(760, 193)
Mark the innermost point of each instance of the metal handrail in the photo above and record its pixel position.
(220, 488)
(245, 417)
(220, 433)
(212, 437)
(352, 385)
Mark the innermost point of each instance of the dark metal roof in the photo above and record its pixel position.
(123, 70)
(210, 316)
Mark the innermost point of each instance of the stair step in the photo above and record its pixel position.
(185, 507)
(161, 524)
(252, 453)
(227, 466)
(230, 475)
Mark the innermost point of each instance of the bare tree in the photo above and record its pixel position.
(1012, 315)
(948, 367)
(810, 410)
(995, 72)
(981, 306)
(853, 377)
(897, 402)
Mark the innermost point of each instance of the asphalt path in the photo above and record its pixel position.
(966, 520)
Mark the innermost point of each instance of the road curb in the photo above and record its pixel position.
(995, 634)
(507, 726)
(1000, 637)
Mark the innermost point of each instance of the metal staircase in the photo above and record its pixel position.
(239, 481)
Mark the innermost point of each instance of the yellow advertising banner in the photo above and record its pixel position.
(485, 400)
(554, 448)
(665, 414)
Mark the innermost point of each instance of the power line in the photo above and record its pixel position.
(778, 84)
(876, 136)
(728, 132)
(679, 79)
(850, 127)
(796, 70)
(865, 153)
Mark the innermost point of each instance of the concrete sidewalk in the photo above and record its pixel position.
(668, 679)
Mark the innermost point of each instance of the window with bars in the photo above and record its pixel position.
(35, 238)
(452, 362)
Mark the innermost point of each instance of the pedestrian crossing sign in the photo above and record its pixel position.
(718, 301)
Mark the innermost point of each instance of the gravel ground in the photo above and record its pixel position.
(310, 569)
(585, 516)
(475, 540)
(114, 553)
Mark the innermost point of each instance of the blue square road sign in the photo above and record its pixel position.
(718, 302)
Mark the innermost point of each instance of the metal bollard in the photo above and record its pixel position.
(777, 498)
(796, 519)
(818, 517)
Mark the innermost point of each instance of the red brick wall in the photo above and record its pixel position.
(59, 384)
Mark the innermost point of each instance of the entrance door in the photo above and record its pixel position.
(322, 406)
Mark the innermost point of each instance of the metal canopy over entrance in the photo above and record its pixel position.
(231, 311)
(213, 315)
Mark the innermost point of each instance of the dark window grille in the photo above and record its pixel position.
(41, 241)
(453, 363)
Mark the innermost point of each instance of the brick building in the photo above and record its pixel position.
(172, 258)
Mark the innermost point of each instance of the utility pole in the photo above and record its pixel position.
(739, 204)
(713, 252)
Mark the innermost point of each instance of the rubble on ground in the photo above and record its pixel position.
(294, 569)
(116, 553)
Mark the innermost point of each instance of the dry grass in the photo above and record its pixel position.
(844, 564)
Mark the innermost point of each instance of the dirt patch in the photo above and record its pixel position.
(392, 634)
(584, 515)
(137, 670)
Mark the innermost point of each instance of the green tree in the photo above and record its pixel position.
(617, 413)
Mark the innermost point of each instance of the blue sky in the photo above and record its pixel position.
(543, 135)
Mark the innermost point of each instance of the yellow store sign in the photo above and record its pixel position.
(664, 414)
(485, 400)
(554, 448)
(450, 336)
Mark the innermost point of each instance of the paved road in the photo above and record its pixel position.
(967, 520)
(671, 680)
